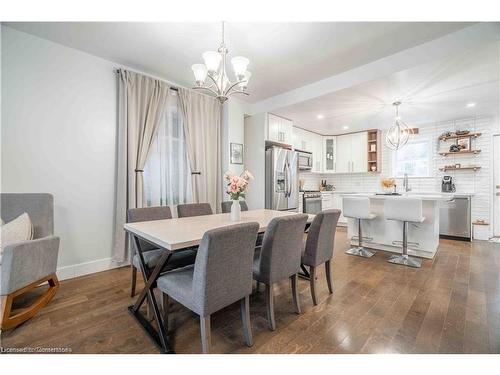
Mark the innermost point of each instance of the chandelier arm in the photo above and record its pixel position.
(238, 92)
(207, 89)
(233, 85)
(215, 83)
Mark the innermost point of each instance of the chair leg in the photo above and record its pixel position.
(270, 307)
(9, 321)
(134, 280)
(165, 302)
(312, 283)
(295, 292)
(257, 287)
(205, 334)
(328, 272)
(245, 320)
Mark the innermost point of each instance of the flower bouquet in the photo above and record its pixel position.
(236, 187)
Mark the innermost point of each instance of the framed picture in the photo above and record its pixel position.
(236, 153)
(463, 144)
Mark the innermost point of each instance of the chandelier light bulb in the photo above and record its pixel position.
(240, 65)
(200, 73)
(244, 83)
(212, 61)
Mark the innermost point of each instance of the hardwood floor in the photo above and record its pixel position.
(450, 305)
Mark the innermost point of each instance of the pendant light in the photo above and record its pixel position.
(399, 133)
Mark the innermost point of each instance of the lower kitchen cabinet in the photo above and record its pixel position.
(337, 203)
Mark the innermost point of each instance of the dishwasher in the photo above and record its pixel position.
(454, 218)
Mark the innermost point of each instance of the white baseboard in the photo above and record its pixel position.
(99, 265)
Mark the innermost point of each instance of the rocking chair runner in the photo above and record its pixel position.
(29, 264)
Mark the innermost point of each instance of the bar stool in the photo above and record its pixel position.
(407, 210)
(358, 208)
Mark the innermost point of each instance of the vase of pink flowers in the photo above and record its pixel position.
(236, 188)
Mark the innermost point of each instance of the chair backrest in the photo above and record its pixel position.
(321, 237)
(194, 209)
(135, 215)
(356, 207)
(403, 209)
(226, 206)
(282, 248)
(223, 267)
(39, 207)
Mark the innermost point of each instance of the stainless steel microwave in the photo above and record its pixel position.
(305, 160)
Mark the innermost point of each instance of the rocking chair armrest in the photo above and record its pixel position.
(26, 262)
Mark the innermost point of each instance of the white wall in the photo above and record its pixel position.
(58, 136)
(233, 131)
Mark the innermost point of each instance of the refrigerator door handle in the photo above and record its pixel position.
(289, 180)
(285, 170)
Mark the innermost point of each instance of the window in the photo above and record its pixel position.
(167, 174)
(413, 159)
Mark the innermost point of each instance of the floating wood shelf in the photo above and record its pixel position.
(460, 152)
(480, 223)
(473, 135)
(473, 168)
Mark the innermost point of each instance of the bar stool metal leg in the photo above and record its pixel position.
(404, 259)
(360, 251)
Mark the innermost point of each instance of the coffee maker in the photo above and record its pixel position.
(447, 185)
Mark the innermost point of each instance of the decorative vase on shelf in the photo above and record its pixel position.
(235, 210)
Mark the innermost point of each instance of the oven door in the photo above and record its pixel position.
(312, 205)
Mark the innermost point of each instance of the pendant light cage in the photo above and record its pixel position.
(399, 133)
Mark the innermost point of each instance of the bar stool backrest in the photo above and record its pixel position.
(403, 209)
(356, 207)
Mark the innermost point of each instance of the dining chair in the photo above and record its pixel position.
(221, 275)
(151, 253)
(318, 247)
(194, 209)
(279, 258)
(226, 206)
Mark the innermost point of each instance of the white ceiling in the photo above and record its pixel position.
(431, 92)
(283, 56)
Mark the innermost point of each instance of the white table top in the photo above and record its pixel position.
(179, 233)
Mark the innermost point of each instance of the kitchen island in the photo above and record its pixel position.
(381, 234)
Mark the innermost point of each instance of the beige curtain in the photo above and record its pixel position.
(141, 106)
(202, 125)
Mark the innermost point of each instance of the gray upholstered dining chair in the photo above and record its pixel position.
(226, 206)
(221, 275)
(318, 248)
(151, 253)
(26, 265)
(194, 209)
(279, 258)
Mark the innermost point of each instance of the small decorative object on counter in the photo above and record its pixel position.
(388, 184)
(236, 187)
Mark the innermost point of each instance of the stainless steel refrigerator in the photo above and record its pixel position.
(282, 179)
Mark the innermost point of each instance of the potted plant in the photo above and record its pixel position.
(236, 187)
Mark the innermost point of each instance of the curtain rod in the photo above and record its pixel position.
(117, 70)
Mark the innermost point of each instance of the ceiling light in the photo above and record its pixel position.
(320, 117)
(398, 134)
(214, 68)
(470, 105)
(345, 127)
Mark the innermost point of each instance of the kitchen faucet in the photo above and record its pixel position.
(406, 183)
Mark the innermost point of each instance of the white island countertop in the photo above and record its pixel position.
(423, 196)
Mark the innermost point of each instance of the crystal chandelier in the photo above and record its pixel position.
(215, 69)
(399, 133)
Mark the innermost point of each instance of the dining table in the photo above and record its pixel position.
(173, 235)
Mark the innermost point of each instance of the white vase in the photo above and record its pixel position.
(235, 211)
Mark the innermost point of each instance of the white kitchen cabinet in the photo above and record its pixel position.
(279, 129)
(326, 201)
(351, 154)
(308, 141)
(337, 204)
(359, 152)
(329, 154)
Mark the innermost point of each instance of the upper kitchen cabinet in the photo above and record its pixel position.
(308, 141)
(351, 153)
(329, 154)
(279, 129)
